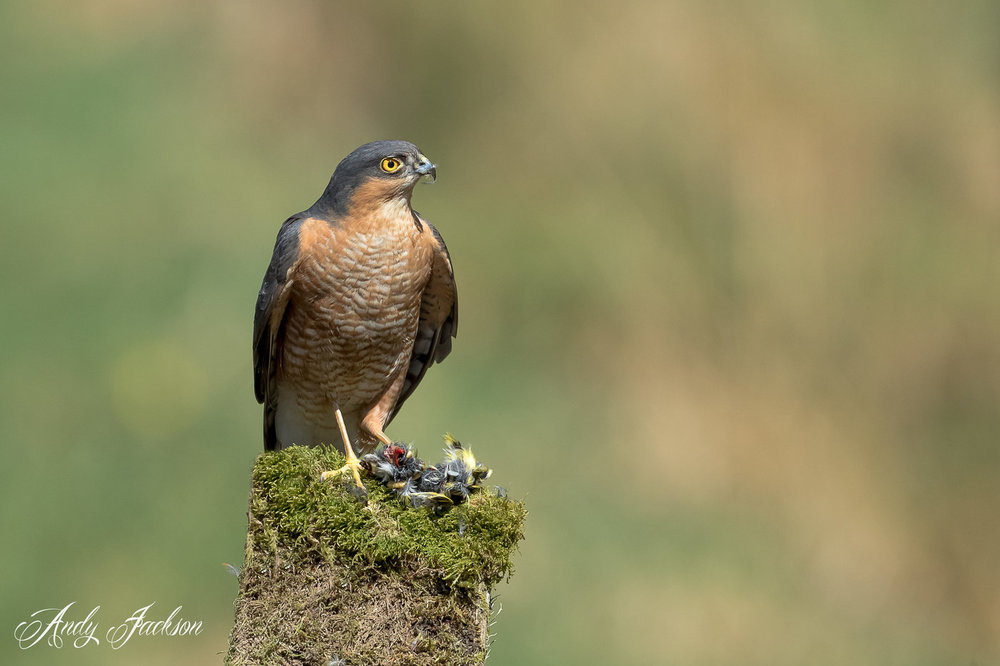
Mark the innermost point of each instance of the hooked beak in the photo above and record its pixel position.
(427, 168)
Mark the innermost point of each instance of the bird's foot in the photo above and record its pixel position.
(353, 466)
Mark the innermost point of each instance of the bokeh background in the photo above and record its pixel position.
(730, 308)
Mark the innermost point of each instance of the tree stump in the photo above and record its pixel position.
(330, 579)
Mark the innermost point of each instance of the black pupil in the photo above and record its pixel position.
(390, 164)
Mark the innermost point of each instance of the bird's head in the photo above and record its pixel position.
(377, 173)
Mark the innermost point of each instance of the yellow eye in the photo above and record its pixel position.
(390, 165)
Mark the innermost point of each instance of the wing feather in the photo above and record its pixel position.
(269, 322)
(438, 322)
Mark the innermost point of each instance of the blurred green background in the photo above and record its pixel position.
(730, 298)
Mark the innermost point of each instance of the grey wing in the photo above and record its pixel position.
(269, 321)
(438, 322)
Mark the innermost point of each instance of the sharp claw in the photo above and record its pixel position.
(350, 466)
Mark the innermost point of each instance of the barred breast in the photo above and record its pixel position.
(351, 323)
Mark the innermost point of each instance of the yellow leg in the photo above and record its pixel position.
(352, 460)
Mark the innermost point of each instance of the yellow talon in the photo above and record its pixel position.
(352, 465)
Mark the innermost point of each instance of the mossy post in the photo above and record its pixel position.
(328, 579)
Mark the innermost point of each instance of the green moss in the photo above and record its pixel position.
(469, 545)
(379, 582)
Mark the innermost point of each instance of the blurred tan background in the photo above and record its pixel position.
(730, 300)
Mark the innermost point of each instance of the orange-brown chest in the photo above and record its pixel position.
(362, 270)
(355, 304)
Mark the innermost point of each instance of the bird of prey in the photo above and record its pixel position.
(358, 301)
